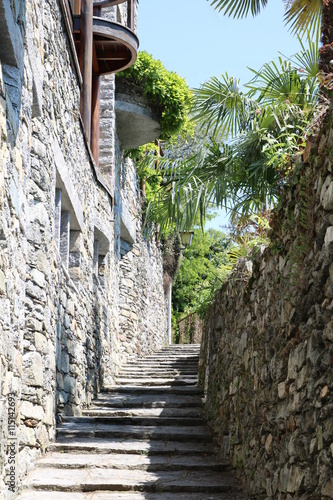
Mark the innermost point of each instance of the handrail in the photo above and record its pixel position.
(107, 3)
(75, 8)
(100, 4)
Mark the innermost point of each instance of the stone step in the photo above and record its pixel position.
(181, 352)
(135, 390)
(164, 362)
(181, 347)
(170, 432)
(156, 374)
(142, 439)
(167, 369)
(145, 412)
(156, 382)
(146, 420)
(127, 400)
(63, 479)
(131, 462)
(158, 371)
(132, 446)
(103, 495)
(190, 362)
(181, 361)
(184, 361)
(160, 374)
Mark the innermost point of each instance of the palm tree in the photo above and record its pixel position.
(301, 16)
(252, 137)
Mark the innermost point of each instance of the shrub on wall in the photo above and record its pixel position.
(167, 92)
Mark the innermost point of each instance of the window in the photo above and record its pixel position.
(100, 257)
(68, 219)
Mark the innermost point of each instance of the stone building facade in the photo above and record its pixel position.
(267, 349)
(81, 290)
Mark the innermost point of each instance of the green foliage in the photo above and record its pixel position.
(253, 138)
(148, 170)
(204, 266)
(167, 92)
(248, 235)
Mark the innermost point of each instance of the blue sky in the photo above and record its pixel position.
(191, 38)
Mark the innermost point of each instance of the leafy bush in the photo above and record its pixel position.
(203, 268)
(167, 92)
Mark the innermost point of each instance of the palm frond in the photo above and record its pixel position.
(220, 106)
(304, 16)
(308, 58)
(275, 82)
(239, 8)
(293, 80)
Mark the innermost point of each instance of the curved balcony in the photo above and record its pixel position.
(115, 45)
(102, 46)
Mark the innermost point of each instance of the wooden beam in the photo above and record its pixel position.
(112, 58)
(112, 53)
(95, 61)
(97, 11)
(86, 50)
(96, 87)
(105, 41)
(77, 7)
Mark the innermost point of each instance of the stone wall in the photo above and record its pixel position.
(142, 308)
(60, 339)
(267, 351)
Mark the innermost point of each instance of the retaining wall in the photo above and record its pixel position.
(267, 350)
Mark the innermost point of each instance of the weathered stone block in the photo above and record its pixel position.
(11, 50)
(63, 363)
(69, 384)
(30, 410)
(326, 195)
(296, 360)
(328, 236)
(38, 277)
(41, 343)
(268, 444)
(296, 477)
(35, 292)
(63, 397)
(27, 436)
(33, 369)
(282, 390)
(328, 430)
(2, 283)
(327, 490)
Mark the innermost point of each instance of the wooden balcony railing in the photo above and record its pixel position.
(74, 9)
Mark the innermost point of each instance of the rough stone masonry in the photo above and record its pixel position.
(73, 302)
(267, 350)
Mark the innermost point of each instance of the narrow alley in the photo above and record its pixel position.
(143, 439)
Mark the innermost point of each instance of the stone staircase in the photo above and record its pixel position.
(143, 439)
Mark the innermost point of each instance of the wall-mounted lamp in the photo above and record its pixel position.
(186, 238)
